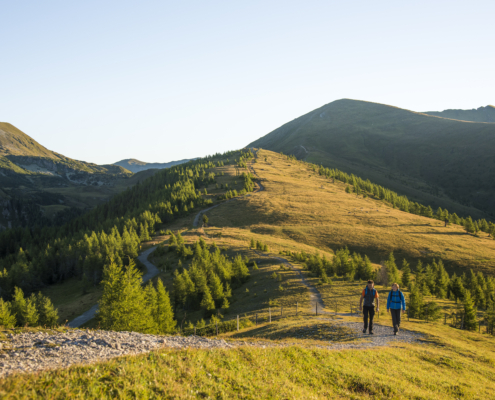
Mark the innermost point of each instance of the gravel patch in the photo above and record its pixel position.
(383, 336)
(32, 352)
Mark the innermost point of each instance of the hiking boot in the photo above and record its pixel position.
(364, 330)
(395, 333)
(371, 333)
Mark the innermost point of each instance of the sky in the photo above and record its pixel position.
(101, 81)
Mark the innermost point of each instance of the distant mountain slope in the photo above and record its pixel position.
(134, 165)
(427, 158)
(482, 114)
(37, 182)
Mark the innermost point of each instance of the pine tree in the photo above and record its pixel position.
(31, 315)
(47, 312)
(470, 320)
(469, 225)
(347, 189)
(205, 220)
(255, 266)
(415, 303)
(164, 313)
(441, 281)
(392, 271)
(406, 273)
(18, 306)
(207, 303)
(7, 320)
(172, 240)
(108, 307)
(457, 288)
(252, 244)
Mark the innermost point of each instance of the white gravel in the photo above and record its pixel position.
(31, 352)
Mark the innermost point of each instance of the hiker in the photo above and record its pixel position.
(395, 303)
(369, 295)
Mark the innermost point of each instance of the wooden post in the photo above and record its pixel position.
(270, 314)
(237, 323)
(297, 306)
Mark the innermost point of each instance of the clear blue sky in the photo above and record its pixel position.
(101, 81)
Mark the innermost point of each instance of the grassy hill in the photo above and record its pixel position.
(40, 186)
(482, 114)
(435, 160)
(298, 210)
(134, 165)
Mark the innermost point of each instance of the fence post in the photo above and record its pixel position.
(297, 306)
(256, 319)
(237, 323)
(270, 314)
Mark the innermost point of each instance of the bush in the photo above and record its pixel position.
(223, 327)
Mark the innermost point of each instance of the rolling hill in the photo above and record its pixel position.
(38, 184)
(134, 165)
(438, 161)
(481, 114)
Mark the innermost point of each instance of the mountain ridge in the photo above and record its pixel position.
(134, 165)
(416, 154)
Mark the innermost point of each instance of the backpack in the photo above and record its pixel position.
(366, 291)
(401, 296)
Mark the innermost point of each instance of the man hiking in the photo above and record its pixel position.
(396, 302)
(369, 295)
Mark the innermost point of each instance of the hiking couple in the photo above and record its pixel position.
(396, 305)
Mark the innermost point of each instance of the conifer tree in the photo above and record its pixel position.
(392, 271)
(18, 306)
(252, 244)
(457, 288)
(172, 240)
(441, 281)
(31, 315)
(470, 320)
(207, 303)
(164, 314)
(7, 320)
(406, 273)
(48, 315)
(255, 266)
(469, 225)
(205, 219)
(415, 302)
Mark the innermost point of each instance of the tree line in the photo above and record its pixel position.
(31, 258)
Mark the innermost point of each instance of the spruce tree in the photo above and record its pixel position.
(415, 302)
(406, 273)
(7, 320)
(18, 306)
(31, 315)
(164, 313)
(469, 225)
(47, 312)
(392, 271)
(470, 320)
(252, 244)
(441, 281)
(207, 303)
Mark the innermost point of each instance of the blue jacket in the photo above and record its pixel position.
(395, 300)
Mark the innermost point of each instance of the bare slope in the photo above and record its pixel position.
(427, 158)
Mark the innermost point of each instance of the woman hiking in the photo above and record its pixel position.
(396, 305)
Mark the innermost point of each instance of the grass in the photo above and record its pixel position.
(455, 364)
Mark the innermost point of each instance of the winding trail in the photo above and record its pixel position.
(152, 270)
(151, 273)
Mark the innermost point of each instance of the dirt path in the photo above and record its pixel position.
(152, 271)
